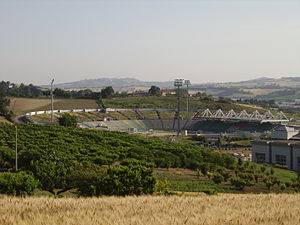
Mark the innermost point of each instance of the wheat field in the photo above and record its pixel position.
(271, 209)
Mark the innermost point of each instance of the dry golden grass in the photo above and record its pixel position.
(22, 105)
(261, 91)
(228, 209)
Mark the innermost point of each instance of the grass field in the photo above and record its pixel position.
(22, 105)
(229, 209)
(185, 180)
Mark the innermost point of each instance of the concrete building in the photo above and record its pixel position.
(283, 149)
(284, 133)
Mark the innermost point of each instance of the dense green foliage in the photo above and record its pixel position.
(112, 163)
(154, 90)
(22, 90)
(262, 103)
(4, 103)
(17, 183)
(32, 91)
(67, 120)
(7, 158)
(104, 147)
(54, 153)
(116, 180)
(107, 92)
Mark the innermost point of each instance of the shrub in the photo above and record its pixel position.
(268, 183)
(282, 187)
(204, 168)
(247, 176)
(7, 157)
(217, 178)
(117, 180)
(17, 183)
(240, 184)
(211, 192)
(226, 175)
(136, 162)
(162, 186)
(67, 120)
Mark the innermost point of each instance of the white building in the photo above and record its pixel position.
(282, 149)
(284, 133)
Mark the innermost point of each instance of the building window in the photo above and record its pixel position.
(260, 157)
(281, 159)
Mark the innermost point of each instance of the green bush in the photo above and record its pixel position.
(240, 184)
(226, 175)
(247, 176)
(135, 162)
(19, 184)
(67, 120)
(7, 157)
(117, 180)
(162, 186)
(217, 178)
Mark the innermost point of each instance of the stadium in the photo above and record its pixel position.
(145, 120)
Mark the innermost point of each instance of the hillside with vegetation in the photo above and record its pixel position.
(281, 89)
(90, 162)
(196, 102)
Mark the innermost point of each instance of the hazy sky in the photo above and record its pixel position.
(200, 40)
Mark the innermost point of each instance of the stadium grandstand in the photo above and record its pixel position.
(142, 120)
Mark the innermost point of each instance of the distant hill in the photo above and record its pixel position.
(132, 82)
(259, 82)
(115, 82)
(281, 89)
(285, 88)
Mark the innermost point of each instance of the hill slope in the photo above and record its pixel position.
(115, 82)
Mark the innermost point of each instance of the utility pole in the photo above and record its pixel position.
(187, 83)
(178, 83)
(52, 100)
(16, 148)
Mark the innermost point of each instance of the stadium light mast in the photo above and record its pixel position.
(16, 150)
(52, 100)
(178, 83)
(187, 83)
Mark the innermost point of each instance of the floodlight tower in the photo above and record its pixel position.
(52, 100)
(178, 83)
(187, 83)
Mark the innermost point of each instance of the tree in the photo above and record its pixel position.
(7, 157)
(154, 90)
(67, 120)
(240, 184)
(115, 180)
(4, 103)
(61, 93)
(51, 168)
(107, 92)
(217, 178)
(226, 175)
(17, 183)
